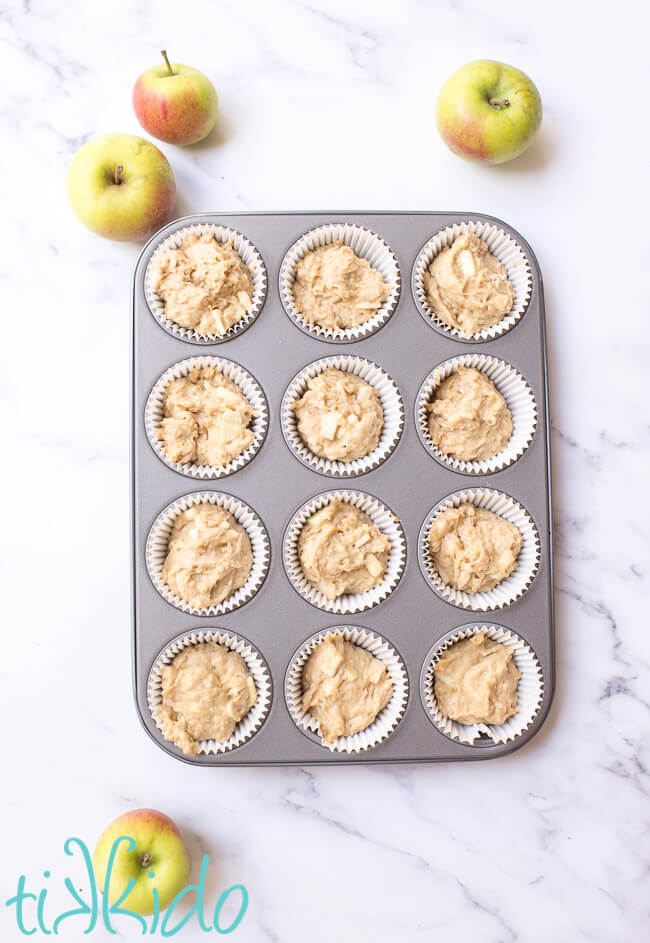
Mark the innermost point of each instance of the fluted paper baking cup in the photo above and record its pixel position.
(154, 414)
(384, 724)
(158, 545)
(387, 523)
(506, 250)
(391, 403)
(249, 256)
(515, 585)
(248, 725)
(514, 389)
(365, 244)
(530, 690)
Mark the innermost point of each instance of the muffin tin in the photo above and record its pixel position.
(276, 620)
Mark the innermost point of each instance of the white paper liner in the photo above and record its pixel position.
(364, 243)
(385, 722)
(158, 544)
(514, 389)
(510, 589)
(530, 690)
(387, 523)
(250, 257)
(154, 413)
(256, 716)
(506, 250)
(391, 402)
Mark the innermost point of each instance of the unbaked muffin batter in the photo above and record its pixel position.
(342, 551)
(209, 556)
(344, 687)
(206, 419)
(336, 289)
(467, 287)
(473, 549)
(206, 690)
(204, 283)
(339, 416)
(468, 418)
(476, 681)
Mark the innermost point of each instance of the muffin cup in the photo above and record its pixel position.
(249, 256)
(154, 414)
(506, 250)
(510, 589)
(158, 544)
(384, 724)
(248, 725)
(367, 245)
(530, 689)
(514, 389)
(391, 402)
(387, 523)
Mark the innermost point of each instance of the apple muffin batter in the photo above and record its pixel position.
(342, 551)
(336, 289)
(468, 418)
(204, 283)
(476, 681)
(467, 287)
(206, 690)
(206, 419)
(344, 687)
(209, 556)
(473, 549)
(339, 416)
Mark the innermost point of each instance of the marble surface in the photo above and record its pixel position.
(327, 105)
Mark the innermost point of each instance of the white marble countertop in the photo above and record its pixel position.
(328, 105)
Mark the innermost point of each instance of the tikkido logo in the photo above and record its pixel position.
(31, 908)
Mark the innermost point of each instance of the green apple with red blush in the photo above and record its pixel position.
(121, 187)
(488, 112)
(175, 103)
(153, 854)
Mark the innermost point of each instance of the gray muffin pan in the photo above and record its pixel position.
(277, 620)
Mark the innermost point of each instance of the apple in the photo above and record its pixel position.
(160, 849)
(175, 103)
(121, 186)
(488, 112)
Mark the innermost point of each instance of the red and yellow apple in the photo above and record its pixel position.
(160, 859)
(121, 187)
(488, 112)
(175, 103)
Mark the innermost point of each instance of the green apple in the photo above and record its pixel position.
(175, 103)
(488, 112)
(121, 186)
(160, 850)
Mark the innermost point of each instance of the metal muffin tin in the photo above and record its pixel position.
(277, 620)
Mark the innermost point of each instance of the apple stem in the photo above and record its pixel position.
(119, 172)
(164, 55)
(146, 860)
(499, 103)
